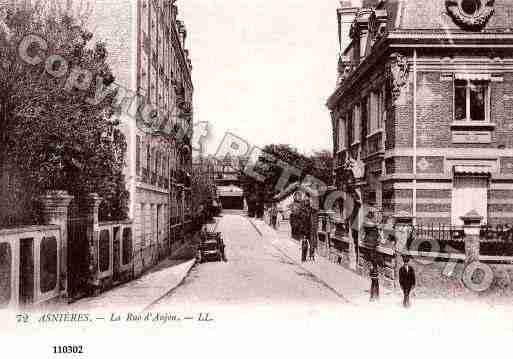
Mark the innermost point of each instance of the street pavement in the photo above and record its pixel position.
(264, 275)
(256, 273)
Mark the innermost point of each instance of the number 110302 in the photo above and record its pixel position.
(68, 349)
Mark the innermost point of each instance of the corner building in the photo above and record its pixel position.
(424, 107)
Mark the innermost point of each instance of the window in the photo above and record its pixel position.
(153, 158)
(471, 100)
(157, 162)
(341, 133)
(356, 124)
(138, 154)
(374, 123)
(470, 7)
(350, 128)
(364, 119)
(148, 157)
(383, 106)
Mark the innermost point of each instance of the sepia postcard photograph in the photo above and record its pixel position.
(256, 178)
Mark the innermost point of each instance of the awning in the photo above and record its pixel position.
(473, 169)
(476, 77)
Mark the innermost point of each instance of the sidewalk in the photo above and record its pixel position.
(345, 283)
(140, 293)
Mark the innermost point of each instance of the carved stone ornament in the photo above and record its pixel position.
(344, 68)
(398, 73)
(471, 14)
(355, 168)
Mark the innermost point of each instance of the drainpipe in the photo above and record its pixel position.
(414, 137)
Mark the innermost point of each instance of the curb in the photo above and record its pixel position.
(171, 290)
(325, 283)
(250, 220)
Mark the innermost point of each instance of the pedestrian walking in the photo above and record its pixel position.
(374, 275)
(370, 228)
(274, 215)
(304, 249)
(311, 248)
(406, 281)
(306, 222)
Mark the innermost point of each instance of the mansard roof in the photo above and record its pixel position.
(421, 23)
(448, 14)
(435, 15)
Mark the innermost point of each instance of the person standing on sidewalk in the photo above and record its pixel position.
(313, 220)
(370, 228)
(406, 281)
(274, 215)
(374, 275)
(303, 218)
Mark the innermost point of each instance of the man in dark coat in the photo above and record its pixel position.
(374, 275)
(306, 228)
(406, 281)
(273, 213)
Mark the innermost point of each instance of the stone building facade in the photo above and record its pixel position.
(146, 44)
(423, 109)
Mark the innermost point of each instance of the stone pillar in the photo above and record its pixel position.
(54, 208)
(471, 226)
(92, 205)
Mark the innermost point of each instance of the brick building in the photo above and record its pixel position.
(423, 108)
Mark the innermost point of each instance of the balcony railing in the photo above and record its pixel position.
(144, 175)
(374, 144)
(153, 179)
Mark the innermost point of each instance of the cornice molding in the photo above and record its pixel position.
(177, 45)
(396, 40)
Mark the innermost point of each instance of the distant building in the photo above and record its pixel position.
(229, 187)
(423, 107)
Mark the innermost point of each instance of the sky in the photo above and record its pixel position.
(263, 69)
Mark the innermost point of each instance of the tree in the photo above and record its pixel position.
(203, 187)
(52, 131)
(321, 166)
(271, 165)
